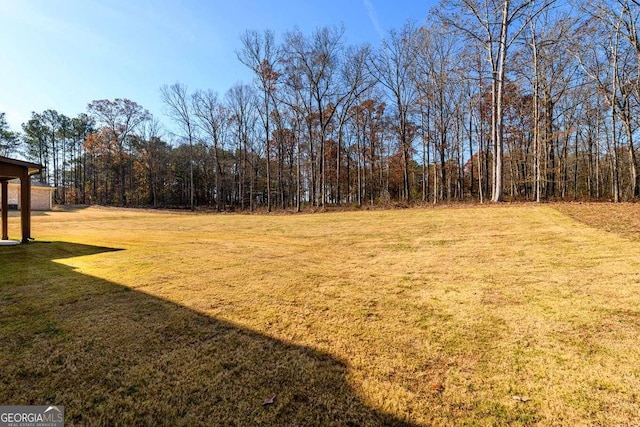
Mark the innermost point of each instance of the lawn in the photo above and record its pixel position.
(492, 315)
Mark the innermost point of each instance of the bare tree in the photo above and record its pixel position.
(621, 18)
(356, 80)
(392, 65)
(180, 110)
(260, 53)
(549, 66)
(317, 59)
(599, 60)
(495, 25)
(213, 117)
(241, 102)
(437, 83)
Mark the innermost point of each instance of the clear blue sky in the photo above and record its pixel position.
(62, 54)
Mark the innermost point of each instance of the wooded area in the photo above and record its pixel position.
(487, 100)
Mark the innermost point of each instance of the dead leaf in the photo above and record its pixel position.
(437, 387)
(269, 400)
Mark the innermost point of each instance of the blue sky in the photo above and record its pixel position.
(62, 54)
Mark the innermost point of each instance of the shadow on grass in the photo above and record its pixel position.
(69, 208)
(114, 356)
(16, 213)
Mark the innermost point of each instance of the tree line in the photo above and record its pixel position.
(486, 100)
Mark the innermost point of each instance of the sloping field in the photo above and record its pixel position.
(509, 315)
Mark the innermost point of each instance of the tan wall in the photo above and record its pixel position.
(41, 197)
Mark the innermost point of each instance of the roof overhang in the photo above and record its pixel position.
(13, 168)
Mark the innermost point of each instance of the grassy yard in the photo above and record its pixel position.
(497, 315)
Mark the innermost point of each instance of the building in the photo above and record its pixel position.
(41, 196)
(11, 169)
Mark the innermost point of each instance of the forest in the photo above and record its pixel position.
(485, 100)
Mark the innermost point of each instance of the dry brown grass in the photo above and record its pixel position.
(622, 219)
(424, 316)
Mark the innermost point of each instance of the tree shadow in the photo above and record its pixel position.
(116, 356)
